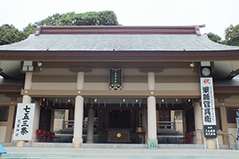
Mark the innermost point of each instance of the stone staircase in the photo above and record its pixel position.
(116, 151)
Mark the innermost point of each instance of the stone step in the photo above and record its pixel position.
(110, 145)
(118, 153)
(144, 146)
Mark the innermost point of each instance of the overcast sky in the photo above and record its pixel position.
(216, 14)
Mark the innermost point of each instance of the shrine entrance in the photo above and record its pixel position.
(119, 126)
(118, 120)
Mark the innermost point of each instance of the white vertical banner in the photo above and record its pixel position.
(237, 126)
(207, 99)
(24, 121)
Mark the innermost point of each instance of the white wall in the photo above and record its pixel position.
(53, 86)
(3, 130)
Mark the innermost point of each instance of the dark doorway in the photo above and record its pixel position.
(45, 118)
(119, 119)
(164, 115)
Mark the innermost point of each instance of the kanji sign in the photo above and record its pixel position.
(115, 80)
(210, 131)
(24, 121)
(207, 99)
(207, 102)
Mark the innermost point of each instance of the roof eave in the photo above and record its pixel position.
(212, 55)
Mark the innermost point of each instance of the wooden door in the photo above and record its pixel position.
(119, 119)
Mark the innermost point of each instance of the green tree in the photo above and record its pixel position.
(73, 19)
(9, 34)
(29, 29)
(232, 35)
(214, 37)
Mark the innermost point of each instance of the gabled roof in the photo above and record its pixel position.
(124, 43)
(116, 42)
(117, 38)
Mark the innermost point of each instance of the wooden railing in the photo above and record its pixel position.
(67, 124)
(70, 124)
(166, 125)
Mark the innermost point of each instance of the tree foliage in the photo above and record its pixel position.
(9, 34)
(29, 29)
(214, 37)
(73, 19)
(232, 35)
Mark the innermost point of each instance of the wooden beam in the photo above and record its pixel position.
(8, 103)
(111, 94)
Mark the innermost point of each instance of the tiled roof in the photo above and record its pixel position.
(117, 42)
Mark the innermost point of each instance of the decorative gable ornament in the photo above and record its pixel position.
(115, 79)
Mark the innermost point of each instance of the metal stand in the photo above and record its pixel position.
(217, 143)
(205, 143)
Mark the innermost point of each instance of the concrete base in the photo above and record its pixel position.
(20, 143)
(90, 141)
(77, 141)
(211, 143)
(198, 141)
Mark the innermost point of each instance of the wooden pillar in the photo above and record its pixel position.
(10, 120)
(90, 126)
(78, 122)
(152, 124)
(28, 80)
(36, 120)
(144, 123)
(223, 114)
(151, 81)
(80, 80)
(198, 122)
(151, 110)
(79, 112)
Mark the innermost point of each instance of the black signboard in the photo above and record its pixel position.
(210, 131)
(115, 81)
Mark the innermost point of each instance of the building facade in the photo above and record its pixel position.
(127, 83)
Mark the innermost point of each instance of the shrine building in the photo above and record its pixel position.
(119, 84)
